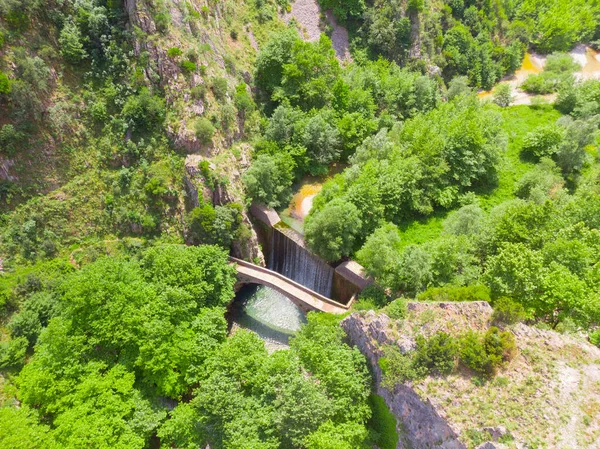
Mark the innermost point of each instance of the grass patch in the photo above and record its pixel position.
(382, 423)
(518, 121)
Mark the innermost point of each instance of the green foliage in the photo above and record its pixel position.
(456, 293)
(219, 225)
(300, 83)
(397, 368)
(343, 9)
(332, 232)
(544, 141)
(371, 297)
(220, 88)
(436, 354)
(397, 309)
(10, 139)
(507, 311)
(248, 398)
(380, 254)
(269, 179)
(12, 352)
(595, 338)
(20, 429)
(174, 52)
(71, 44)
(384, 423)
(503, 95)
(204, 130)
(144, 111)
(487, 353)
(188, 66)
(558, 70)
(4, 84)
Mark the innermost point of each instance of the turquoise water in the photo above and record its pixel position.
(266, 312)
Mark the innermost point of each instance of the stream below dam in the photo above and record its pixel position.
(267, 313)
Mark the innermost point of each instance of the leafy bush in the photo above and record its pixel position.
(144, 110)
(204, 130)
(397, 368)
(595, 338)
(71, 43)
(503, 95)
(373, 294)
(162, 21)
(544, 141)
(10, 139)
(269, 180)
(188, 66)
(486, 353)
(12, 352)
(397, 309)
(214, 225)
(332, 232)
(456, 293)
(507, 311)
(436, 354)
(4, 83)
(198, 92)
(219, 87)
(174, 52)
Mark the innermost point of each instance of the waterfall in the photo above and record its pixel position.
(290, 258)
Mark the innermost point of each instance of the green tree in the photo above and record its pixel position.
(144, 111)
(333, 231)
(71, 43)
(269, 179)
(380, 254)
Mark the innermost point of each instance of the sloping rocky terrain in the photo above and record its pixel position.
(548, 396)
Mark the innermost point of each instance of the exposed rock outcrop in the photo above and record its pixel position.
(219, 194)
(545, 396)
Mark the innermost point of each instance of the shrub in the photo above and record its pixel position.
(144, 109)
(472, 353)
(397, 309)
(233, 34)
(397, 367)
(9, 139)
(198, 92)
(456, 293)
(503, 95)
(188, 66)
(486, 353)
(436, 354)
(12, 352)
(173, 52)
(373, 294)
(595, 337)
(4, 83)
(544, 141)
(162, 21)
(507, 311)
(71, 45)
(219, 87)
(204, 130)
(269, 179)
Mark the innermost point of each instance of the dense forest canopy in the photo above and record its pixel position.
(134, 136)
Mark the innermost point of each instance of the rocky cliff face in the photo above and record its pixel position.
(549, 396)
(220, 194)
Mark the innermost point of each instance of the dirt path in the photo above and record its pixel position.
(308, 16)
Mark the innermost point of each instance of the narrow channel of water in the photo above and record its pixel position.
(267, 313)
